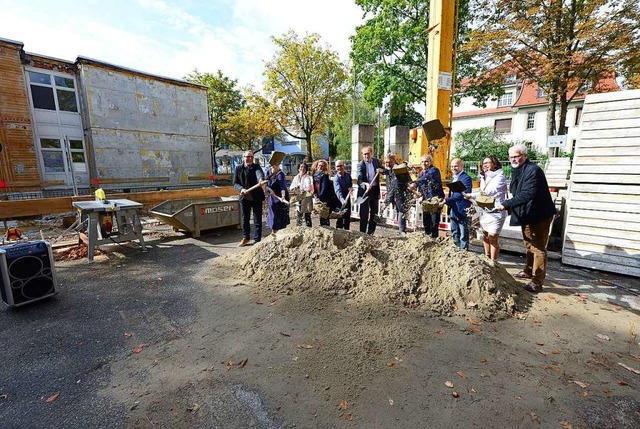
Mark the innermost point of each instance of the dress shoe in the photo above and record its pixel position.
(244, 242)
(533, 287)
(522, 275)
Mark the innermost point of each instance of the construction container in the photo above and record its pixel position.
(195, 216)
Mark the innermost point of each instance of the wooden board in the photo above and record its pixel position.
(602, 228)
(36, 207)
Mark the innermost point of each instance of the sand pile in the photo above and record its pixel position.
(413, 271)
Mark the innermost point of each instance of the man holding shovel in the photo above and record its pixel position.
(342, 184)
(248, 179)
(369, 170)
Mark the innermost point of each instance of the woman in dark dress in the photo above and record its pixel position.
(324, 191)
(278, 215)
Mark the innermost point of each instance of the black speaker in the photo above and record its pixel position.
(27, 273)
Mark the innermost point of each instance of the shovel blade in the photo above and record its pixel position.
(361, 200)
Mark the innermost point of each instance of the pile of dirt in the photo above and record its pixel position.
(413, 271)
(74, 253)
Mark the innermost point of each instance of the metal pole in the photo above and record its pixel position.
(70, 161)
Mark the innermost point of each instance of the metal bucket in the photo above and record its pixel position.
(199, 215)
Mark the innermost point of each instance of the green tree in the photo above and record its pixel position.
(223, 100)
(390, 50)
(474, 144)
(247, 127)
(566, 46)
(306, 86)
(477, 143)
(341, 126)
(403, 114)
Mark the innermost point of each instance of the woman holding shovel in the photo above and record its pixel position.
(325, 192)
(493, 191)
(278, 204)
(302, 185)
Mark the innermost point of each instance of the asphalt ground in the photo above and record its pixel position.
(69, 344)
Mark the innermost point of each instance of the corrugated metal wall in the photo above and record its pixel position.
(142, 129)
(603, 222)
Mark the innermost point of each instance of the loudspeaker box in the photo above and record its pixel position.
(27, 273)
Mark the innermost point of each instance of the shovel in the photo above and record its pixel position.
(347, 200)
(364, 196)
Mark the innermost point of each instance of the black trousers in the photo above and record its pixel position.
(368, 215)
(345, 221)
(431, 223)
(246, 207)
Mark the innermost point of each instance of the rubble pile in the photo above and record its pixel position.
(413, 271)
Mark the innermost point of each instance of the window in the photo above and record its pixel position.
(42, 92)
(506, 99)
(502, 126)
(578, 116)
(77, 155)
(510, 79)
(67, 100)
(42, 97)
(540, 93)
(531, 120)
(52, 155)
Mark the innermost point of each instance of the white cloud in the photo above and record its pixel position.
(161, 37)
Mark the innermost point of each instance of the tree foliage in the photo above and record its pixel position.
(390, 51)
(341, 125)
(565, 46)
(305, 84)
(224, 99)
(247, 127)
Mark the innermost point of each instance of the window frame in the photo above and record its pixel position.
(55, 88)
(578, 116)
(503, 130)
(531, 121)
(506, 99)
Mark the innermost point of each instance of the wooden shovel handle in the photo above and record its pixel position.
(374, 179)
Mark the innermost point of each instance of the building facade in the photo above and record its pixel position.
(67, 127)
(521, 113)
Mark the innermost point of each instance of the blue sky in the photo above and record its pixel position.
(171, 38)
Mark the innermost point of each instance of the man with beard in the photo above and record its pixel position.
(532, 208)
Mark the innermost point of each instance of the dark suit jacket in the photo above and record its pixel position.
(456, 202)
(531, 202)
(246, 177)
(374, 193)
(324, 190)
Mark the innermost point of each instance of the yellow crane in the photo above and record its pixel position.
(435, 135)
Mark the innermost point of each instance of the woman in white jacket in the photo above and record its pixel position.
(492, 184)
(301, 184)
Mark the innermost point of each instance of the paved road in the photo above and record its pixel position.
(68, 344)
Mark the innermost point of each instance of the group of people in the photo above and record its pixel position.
(531, 206)
(332, 195)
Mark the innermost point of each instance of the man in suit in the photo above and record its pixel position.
(532, 208)
(458, 205)
(342, 184)
(396, 193)
(245, 177)
(366, 171)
